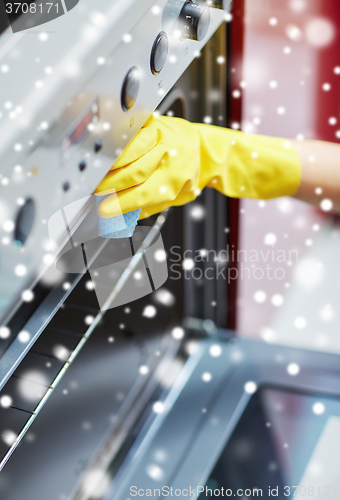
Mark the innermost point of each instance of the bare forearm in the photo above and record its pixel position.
(320, 172)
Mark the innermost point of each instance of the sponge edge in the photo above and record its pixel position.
(121, 226)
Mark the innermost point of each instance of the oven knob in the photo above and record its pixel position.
(194, 21)
(130, 88)
(24, 221)
(217, 4)
(159, 53)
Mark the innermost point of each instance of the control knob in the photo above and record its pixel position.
(193, 21)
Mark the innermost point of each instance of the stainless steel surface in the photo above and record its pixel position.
(96, 394)
(166, 373)
(201, 412)
(100, 434)
(87, 82)
(50, 158)
(88, 53)
(42, 317)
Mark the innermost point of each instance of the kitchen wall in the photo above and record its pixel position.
(289, 290)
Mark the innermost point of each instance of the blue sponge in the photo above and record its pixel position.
(121, 226)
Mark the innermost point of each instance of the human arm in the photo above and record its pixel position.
(320, 179)
(170, 161)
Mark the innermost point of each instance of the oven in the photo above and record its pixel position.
(83, 369)
(108, 394)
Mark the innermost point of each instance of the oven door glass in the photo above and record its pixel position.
(285, 445)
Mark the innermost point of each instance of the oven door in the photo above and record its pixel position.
(245, 419)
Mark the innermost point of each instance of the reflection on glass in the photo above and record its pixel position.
(283, 439)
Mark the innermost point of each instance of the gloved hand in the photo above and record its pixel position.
(171, 160)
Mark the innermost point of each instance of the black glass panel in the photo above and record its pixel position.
(283, 439)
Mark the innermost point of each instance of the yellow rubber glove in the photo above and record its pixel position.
(171, 160)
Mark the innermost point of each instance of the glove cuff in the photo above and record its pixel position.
(248, 165)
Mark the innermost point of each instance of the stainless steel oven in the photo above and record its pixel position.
(78, 383)
(155, 393)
